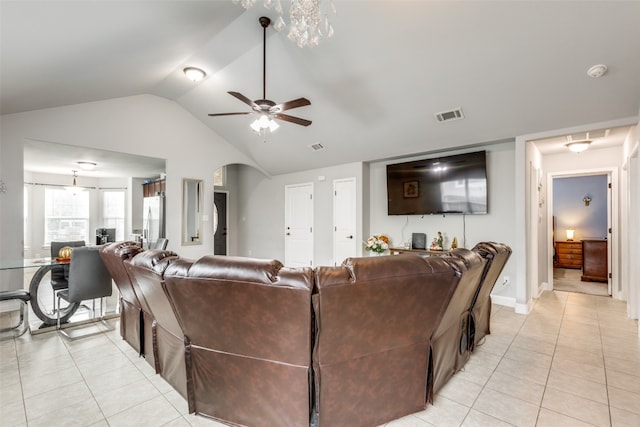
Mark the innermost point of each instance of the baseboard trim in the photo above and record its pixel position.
(502, 300)
(524, 308)
(544, 286)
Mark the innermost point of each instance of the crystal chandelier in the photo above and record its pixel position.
(308, 19)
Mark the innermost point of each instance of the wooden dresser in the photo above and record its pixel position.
(594, 261)
(568, 255)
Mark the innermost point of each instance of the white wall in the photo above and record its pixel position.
(496, 226)
(143, 125)
(261, 210)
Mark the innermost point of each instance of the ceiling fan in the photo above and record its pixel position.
(267, 109)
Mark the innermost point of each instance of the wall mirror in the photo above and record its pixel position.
(191, 211)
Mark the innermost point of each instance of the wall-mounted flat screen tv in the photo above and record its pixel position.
(450, 184)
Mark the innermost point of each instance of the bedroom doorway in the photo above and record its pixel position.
(581, 205)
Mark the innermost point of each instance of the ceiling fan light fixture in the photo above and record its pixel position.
(578, 146)
(263, 123)
(194, 74)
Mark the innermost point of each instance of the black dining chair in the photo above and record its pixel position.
(88, 279)
(60, 273)
(161, 243)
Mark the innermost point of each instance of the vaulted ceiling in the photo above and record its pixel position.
(512, 67)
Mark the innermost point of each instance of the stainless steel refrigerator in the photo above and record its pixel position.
(154, 221)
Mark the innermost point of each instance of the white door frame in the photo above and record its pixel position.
(612, 222)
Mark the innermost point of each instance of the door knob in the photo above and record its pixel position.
(350, 237)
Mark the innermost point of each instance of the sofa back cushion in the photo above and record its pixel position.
(114, 255)
(247, 306)
(247, 325)
(376, 303)
(374, 320)
(147, 270)
(450, 341)
(497, 255)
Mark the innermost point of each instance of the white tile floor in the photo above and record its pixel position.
(574, 361)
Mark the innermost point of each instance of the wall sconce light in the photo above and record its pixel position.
(570, 234)
(586, 200)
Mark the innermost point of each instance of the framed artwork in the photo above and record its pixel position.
(411, 189)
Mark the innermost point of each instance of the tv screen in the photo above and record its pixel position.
(450, 184)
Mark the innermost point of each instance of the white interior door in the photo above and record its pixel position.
(298, 221)
(345, 243)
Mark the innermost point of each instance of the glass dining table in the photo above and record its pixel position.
(42, 293)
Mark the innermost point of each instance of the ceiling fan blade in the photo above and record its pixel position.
(296, 120)
(244, 99)
(295, 103)
(227, 114)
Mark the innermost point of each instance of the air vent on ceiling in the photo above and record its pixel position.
(445, 116)
(317, 146)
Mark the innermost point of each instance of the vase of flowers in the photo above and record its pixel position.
(378, 243)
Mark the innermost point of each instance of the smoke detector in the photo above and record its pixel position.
(597, 71)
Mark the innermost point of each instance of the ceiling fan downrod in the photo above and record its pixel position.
(264, 21)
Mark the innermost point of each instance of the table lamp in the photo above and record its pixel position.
(570, 234)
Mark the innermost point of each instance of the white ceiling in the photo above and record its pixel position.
(514, 68)
(62, 159)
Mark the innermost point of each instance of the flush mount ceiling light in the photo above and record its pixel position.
(87, 166)
(578, 146)
(308, 19)
(597, 71)
(194, 74)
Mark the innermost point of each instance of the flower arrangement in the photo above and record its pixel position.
(377, 243)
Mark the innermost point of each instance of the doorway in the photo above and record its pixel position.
(220, 241)
(581, 207)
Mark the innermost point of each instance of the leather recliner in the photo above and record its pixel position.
(450, 341)
(497, 255)
(131, 319)
(374, 319)
(147, 270)
(247, 326)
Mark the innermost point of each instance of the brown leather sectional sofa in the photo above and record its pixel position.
(251, 342)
